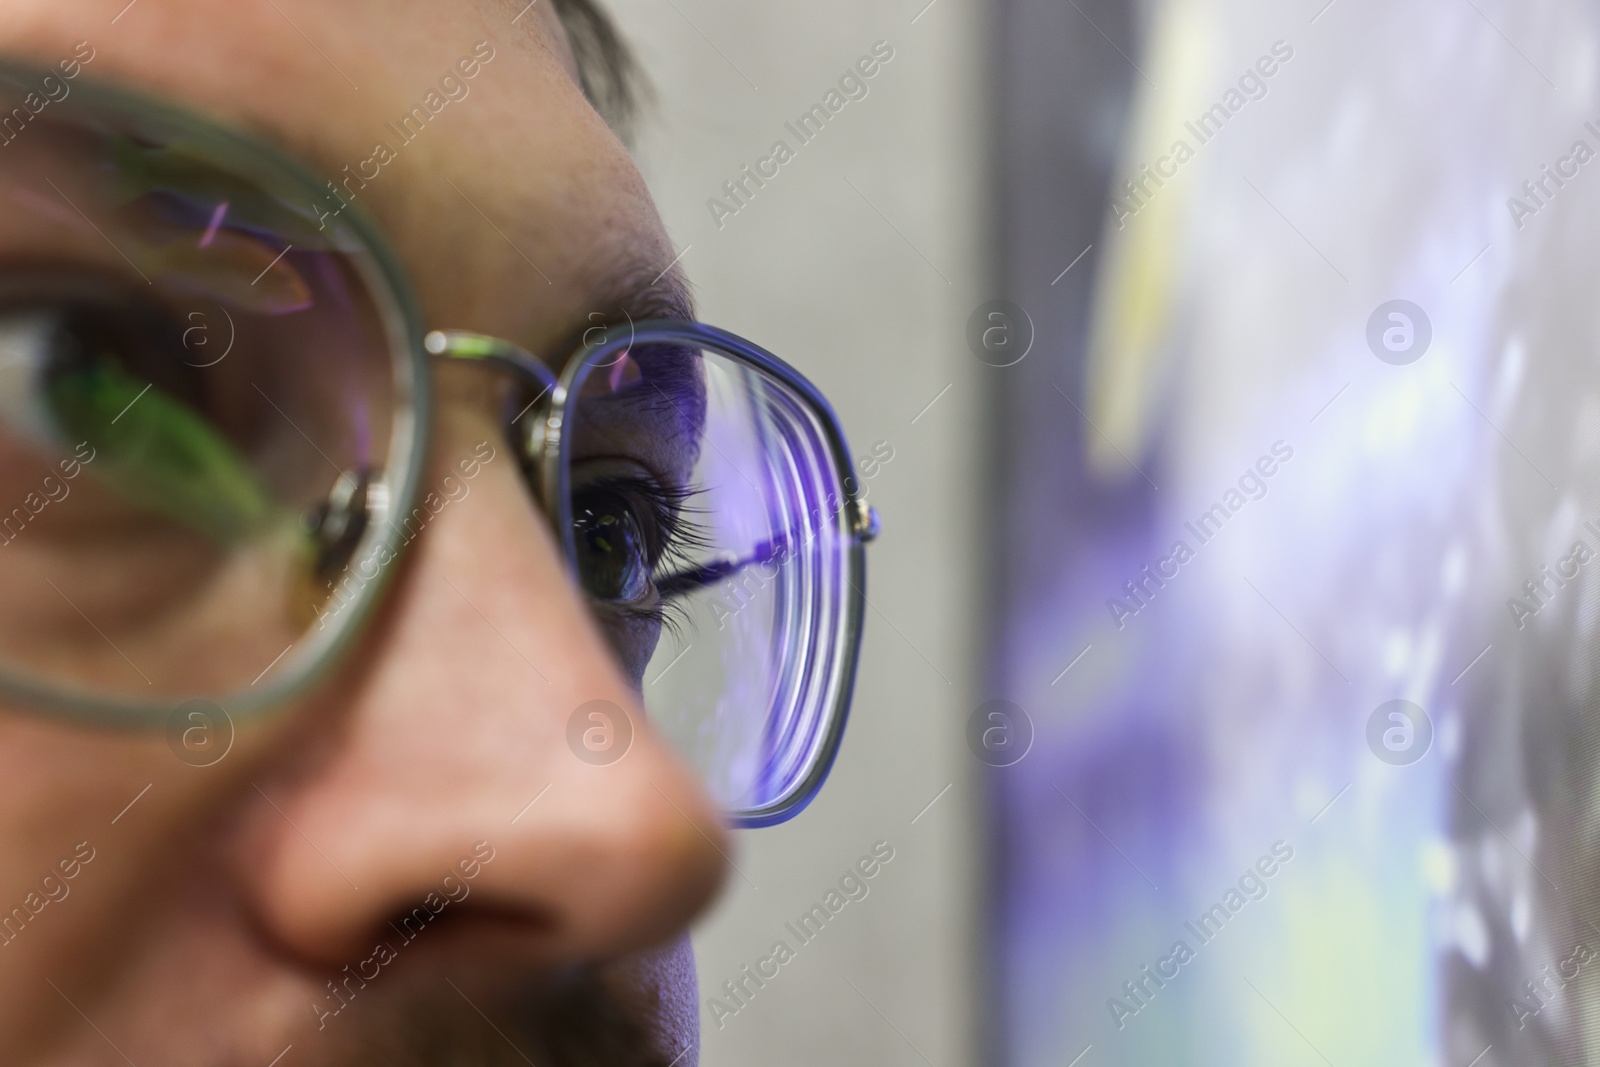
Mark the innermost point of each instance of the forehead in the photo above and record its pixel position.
(513, 207)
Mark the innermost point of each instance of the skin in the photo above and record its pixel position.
(216, 908)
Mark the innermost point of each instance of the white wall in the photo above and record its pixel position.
(867, 290)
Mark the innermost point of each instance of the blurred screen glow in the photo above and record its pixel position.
(1321, 788)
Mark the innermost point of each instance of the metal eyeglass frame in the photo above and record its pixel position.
(277, 174)
(543, 447)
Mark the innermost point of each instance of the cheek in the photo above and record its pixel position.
(632, 641)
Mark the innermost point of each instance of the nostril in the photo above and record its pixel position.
(456, 920)
(479, 931)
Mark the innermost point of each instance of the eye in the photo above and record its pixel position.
(64, 353)
(610, 529)
(630, 531)
(81, 362)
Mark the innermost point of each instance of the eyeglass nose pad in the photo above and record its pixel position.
(527, 425)
(337, 524)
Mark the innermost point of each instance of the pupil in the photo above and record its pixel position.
(611, 549)
(143, 340)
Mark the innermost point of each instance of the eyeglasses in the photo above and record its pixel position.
(214, 410)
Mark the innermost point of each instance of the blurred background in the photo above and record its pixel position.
(1228, 693)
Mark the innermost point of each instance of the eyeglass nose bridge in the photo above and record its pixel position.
(481, 348)
(542, 431)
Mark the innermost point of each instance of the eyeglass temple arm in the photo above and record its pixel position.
(774, 549)
(711, 573)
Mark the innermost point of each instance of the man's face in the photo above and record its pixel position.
(409, 866)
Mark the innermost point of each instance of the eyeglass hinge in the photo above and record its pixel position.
(864, 521)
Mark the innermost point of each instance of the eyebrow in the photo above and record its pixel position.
(666, 296)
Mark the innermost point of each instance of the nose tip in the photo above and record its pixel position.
(599, 861)
(641, 852)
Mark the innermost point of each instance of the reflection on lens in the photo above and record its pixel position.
(198, 407)
(710, 531)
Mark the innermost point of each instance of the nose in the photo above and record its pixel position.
(474, 756)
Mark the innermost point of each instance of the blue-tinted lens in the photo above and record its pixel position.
(710, 528)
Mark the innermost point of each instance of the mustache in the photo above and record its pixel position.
(581, 1018)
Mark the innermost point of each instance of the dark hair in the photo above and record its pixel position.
(610, 75)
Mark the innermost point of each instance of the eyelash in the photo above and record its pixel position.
(678, 537)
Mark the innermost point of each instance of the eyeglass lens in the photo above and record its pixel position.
(197, 402)
(707, 525)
